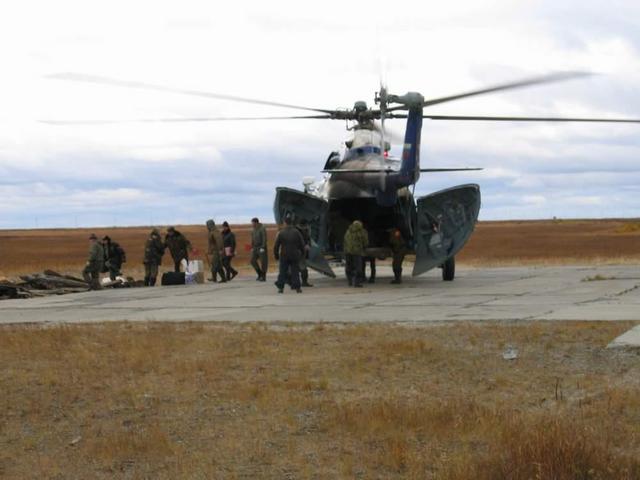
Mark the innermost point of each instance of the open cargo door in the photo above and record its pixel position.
(313, 209)
(446, 220)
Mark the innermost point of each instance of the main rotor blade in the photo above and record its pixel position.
(80, 77)
(463, 169)
(389, 170)
(527, 82)
(360, 170)
(177, 120)
(528, 119)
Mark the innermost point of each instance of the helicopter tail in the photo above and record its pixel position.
(410, 167)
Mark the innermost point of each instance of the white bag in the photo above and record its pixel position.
(195, 266)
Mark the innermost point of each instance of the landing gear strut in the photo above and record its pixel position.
(449, 269)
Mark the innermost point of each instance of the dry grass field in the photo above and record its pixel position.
(492, 244)
(372, 401)
(326, 401)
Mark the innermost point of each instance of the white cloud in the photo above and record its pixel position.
(325, 54)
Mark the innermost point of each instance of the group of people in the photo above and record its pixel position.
(291, 250)
(293, 244)
(356, 241)
(221, 250)
(104, 256)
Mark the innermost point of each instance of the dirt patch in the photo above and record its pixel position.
(366, 401)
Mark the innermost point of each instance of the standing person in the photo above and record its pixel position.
(229, 243)
(114, 257)
(95, 263)
(305, 231)
(153, 252)
(178, 245)
(215, 251)
(399, 249)
(259, 249)
(288, 249)
(355, 242)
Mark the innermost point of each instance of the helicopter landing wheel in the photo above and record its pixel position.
(449, 269)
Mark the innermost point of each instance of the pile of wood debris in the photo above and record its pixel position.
(51, 283)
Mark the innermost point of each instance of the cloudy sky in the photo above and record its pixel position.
(321, 54)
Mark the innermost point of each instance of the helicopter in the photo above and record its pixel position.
(364, 182)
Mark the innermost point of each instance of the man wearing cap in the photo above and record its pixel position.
(153, 252)
(114, 257)
(215, 251)
(178, 245)
(288, 250)
(95, 263)
(229, 243)
(259, 249)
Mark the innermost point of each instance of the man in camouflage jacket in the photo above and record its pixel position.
(95, 263)
(215, 251)
(356, 240)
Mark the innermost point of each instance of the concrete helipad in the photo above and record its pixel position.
(550, 293)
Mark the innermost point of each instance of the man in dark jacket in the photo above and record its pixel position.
(178, 245)
(259, 250)
(229, 242)
(95, 263)
(153, 252)
(114, 257)
(288, 250)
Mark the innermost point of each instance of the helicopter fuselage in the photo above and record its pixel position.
(366, 184)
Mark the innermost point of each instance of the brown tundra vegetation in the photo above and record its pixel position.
(216, 400)
(492, 244)
(327, 401)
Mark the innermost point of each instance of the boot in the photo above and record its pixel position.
(305, 278)
(146, 281)
(397, 273)
(152, 281)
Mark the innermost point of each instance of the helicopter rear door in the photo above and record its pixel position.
(302, 206)
(446, 220)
